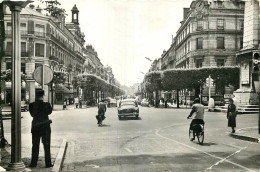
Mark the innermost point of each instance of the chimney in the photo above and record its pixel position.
(185, 12)
(39, 9)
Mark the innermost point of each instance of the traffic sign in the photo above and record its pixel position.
(47, 73)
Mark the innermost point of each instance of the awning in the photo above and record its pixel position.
(60, 88)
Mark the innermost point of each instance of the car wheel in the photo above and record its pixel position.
(137, 116)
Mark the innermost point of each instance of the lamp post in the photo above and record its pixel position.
(16, 163)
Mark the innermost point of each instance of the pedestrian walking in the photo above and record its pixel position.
(41, 129)
(231, 115)
(101, 112)
(76, 102)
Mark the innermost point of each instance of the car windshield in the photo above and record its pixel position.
(127, 103)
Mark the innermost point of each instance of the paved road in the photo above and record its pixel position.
(157, 141)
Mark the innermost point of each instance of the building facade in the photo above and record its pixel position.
(45, 40)
(210, 35)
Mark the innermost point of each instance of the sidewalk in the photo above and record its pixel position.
(5, 154)
(248, 134)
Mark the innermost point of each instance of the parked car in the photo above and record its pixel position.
(145, 102)
(113, 103)
(128, 107)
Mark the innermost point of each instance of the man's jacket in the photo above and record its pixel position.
(40, 112)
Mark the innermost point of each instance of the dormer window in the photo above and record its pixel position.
(220, 4)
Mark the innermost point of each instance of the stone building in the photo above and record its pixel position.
(45, 40)
(210, 35)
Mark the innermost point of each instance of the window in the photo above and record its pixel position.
(220, 43)
(9, 47)
(39, 30)
(199, 43)
(23, 28)
(39, 50)
(220, 62)
(23, 68)
(8, 65)
(199, 63)
(9, 28)
(220, 4)
(220, 24)
(23, 49)
(199, 25)
(241, 25)
(188, 46)
(241, 42)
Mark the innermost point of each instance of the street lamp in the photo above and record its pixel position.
(16, 161)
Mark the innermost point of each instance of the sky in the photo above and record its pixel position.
(124, 32)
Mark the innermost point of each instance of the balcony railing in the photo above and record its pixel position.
(9, 53)
(26, 32)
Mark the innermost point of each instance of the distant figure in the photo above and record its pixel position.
(166, 103)
(80, 103)
(101, 112)
(231, 115)
(65, 104)
(41, 129)
(76, 102)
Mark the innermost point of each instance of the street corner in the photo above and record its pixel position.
(247, 134)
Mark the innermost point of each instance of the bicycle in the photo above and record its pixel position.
(199, 132)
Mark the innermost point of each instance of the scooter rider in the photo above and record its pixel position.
(198, 110)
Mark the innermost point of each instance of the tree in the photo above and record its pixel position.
(52, 7)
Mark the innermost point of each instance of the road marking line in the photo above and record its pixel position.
(211, 155)
(224, 159)
(128, 150)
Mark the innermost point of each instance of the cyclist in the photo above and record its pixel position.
(198, 110)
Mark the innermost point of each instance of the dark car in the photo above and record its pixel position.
(128, 107)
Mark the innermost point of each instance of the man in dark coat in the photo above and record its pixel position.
(41, 129)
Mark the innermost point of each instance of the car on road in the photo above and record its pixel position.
(145, 102)
(128, 107)
(113, 103)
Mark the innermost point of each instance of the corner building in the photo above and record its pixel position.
(210, 35)
(45, 40)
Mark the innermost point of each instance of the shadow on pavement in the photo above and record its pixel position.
(207, 144)
(104, 125)
(129, 118)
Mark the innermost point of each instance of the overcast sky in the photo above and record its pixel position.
(124, 32)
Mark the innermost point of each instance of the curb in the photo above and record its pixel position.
(243, 137)
(60, 157)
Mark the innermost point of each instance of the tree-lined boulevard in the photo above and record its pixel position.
(157, 141)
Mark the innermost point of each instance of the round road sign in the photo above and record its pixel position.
(47, 74)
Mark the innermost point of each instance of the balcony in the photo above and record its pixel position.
(26, 32)
(9, 54)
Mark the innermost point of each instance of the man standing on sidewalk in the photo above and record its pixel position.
(40, 110)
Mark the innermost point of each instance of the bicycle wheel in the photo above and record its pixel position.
(200, 137)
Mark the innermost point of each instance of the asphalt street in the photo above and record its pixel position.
(157, 141)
